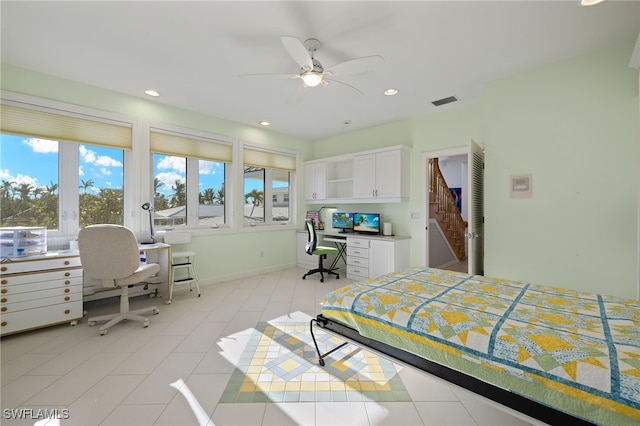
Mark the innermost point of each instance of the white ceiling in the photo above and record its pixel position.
(193, 52)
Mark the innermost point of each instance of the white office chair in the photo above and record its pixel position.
(181, 260)
(110, 259)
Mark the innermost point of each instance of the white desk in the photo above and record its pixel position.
(47, 289)
(364, 255)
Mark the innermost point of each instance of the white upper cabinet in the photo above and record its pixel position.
(378, 176)
(382, 176)
(315, 181)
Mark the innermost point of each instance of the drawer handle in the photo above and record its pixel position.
(4, 291)
(4, 309)
(66, 274)
(3, 269)
(67, 282)
(66, 262)
(66, 290)
(66, 299)
(4, 323)
(4, 282)
(67, 311)
(4, 300)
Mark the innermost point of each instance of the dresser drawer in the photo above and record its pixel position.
(39, 265)
(9, 290)
(32, 304)
(40, 317)
(357, 252)
(10, 298)
(32, 278)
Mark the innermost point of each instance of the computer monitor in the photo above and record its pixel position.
(342, 221)
(366, 223)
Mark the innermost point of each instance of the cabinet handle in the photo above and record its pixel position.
(4, 282)
(66, 290)
(4, 300)
(67, 311)
(66, 299)
(3, 269)
(4, 291)
(66, 262)
(4, 323)
(66, 274)
(67, 282)
(4, 309)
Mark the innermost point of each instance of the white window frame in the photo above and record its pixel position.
(192, 174)
(68, 161)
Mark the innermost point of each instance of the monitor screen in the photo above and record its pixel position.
(366, 222)
(342, 221)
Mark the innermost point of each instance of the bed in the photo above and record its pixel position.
(557, 355)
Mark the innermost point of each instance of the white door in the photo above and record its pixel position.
(381, 258)
(388, 174)
(364, 172)
(475, 231)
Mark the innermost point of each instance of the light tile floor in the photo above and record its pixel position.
(176, 371)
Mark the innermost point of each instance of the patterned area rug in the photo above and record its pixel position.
(280, 364)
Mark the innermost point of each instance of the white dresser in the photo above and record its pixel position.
(39, 291)
(372, 256)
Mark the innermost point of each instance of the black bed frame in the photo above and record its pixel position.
(502, 396)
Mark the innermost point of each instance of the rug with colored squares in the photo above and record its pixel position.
(280, 364)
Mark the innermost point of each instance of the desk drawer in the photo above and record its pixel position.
(362, 262)
(39, 265)
(10, 298)
(357, 252)
(358, 242)
(357, 272)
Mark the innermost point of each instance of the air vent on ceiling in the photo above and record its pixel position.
(444, 101)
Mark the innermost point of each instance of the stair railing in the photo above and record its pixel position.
(447, 213)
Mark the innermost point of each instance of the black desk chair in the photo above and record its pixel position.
(321, 251)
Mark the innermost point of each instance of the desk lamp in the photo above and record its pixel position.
(148, 207)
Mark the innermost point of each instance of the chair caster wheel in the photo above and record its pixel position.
(199, 295)
(103, 332)
(145, 324)
(304, 277)
(156, 311)
(322, 280)
(92, 323)
(321, 362)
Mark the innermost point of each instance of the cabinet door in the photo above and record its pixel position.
(315, 181)
(381, 258)
(388, 174)
(364, 176)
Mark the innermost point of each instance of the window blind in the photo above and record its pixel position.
(185, 146)
(269, 159)
(70, 128)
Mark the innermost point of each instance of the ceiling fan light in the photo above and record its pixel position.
(312, 78)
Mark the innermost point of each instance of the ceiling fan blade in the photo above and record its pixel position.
(269, 75)
(356, 66)
(340, 83)
(298, 52)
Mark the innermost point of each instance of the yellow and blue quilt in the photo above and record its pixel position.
(576, 352)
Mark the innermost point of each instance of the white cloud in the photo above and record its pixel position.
(89, 156)
(4, 174)
(20, 179)
(209, 167)
(169, 180)
(173, 163)
(42, 146)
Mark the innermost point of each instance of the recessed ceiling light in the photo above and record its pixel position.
(265, 123)
(152, 92)
(391, 92)
(590, 2)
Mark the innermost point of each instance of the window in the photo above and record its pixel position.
(267, 186)
(61, 170)
(189, 174)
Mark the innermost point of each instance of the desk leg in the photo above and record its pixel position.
(342, 249)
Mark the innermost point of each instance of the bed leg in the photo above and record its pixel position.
(315, 343)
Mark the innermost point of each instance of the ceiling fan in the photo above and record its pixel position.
(312, 73)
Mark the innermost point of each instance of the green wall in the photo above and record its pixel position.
(574, 125)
